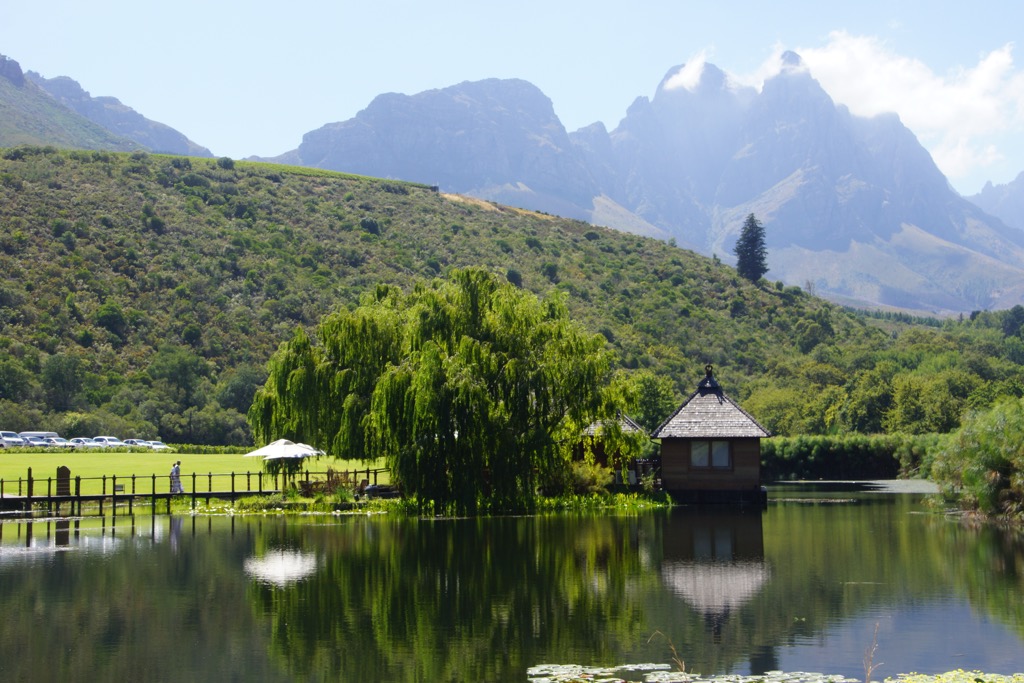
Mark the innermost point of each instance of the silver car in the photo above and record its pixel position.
(10, 439)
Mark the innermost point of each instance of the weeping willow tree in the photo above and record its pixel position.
(472, 389)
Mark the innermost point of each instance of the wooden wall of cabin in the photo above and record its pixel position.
(677, 474)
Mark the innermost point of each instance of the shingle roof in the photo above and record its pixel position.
(626, 424)
(709, 413)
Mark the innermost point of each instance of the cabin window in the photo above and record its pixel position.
(710, 454)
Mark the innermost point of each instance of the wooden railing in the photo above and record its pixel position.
(28, 491)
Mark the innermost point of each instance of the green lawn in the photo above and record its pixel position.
(213, 471)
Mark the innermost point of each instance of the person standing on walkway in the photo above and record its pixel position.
(176, 478)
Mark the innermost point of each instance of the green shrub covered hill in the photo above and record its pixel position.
(143, 295)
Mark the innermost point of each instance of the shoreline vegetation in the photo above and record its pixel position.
(663, 673)
(906, 458)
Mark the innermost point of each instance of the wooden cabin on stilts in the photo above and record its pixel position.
(711, 449)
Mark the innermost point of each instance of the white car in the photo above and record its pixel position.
(10, 439)
(159, 446)
(59, 442)
(86, 442)
(108, 441)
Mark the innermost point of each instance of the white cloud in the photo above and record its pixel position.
(689, 75)
(962, 117)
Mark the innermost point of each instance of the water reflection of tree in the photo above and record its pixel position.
(480, 599)
(485, 599)
(465, 599)
(987, 564)
(82, 612)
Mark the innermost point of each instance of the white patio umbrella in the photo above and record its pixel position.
(284, 449)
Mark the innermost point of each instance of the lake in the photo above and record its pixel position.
(801, 586)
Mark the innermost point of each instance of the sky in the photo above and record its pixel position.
(250, 78)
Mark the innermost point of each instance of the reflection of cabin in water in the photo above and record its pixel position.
(714, 561)
(711, 449)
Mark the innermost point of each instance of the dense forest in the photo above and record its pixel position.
(143, 295)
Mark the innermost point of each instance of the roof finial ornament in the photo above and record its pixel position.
(708, 384)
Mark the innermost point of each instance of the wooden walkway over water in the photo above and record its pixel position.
(128, 492)
(56, 502)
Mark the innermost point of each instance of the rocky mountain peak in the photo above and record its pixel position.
(111, 114)
(11, 70)
(61, 87)
(791, 60)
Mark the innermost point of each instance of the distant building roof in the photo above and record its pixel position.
(710, 414)
(627, 424)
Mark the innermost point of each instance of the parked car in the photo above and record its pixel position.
(42, 435)
(159, 446)
(136, 443)
(10, 439)
(34, 442)
(109, 441)
(59, 442)
(86, 442)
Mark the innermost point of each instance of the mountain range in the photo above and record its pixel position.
(1005, 202)
(854, 208)
(58, 111)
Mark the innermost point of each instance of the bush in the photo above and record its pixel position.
(852, 456)
(982, 466)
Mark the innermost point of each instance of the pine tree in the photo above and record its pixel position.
(751, 253)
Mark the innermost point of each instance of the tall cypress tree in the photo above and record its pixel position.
(751, 254)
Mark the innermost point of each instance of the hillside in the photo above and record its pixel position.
(144, 294)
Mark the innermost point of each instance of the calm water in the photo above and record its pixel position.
(799, 587)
